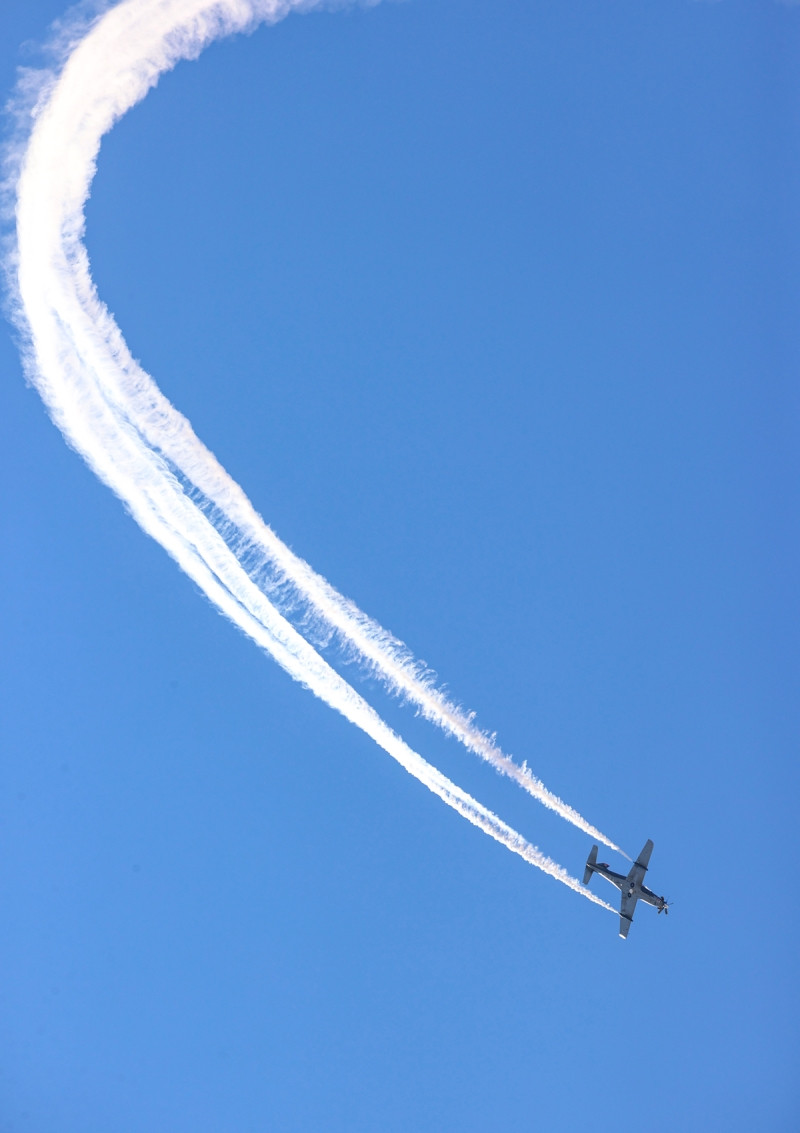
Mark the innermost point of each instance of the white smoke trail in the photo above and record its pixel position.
(115, 416)
(289, 581)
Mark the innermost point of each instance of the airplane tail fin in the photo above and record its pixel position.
(590, 864)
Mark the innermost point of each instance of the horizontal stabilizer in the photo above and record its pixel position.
(590, 864)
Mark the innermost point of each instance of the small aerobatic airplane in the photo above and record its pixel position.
(631, 886)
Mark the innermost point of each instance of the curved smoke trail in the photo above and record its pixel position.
(115, 416)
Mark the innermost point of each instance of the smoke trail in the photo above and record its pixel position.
(115, 416)
(290, 582)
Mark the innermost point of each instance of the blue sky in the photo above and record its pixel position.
(490, 307)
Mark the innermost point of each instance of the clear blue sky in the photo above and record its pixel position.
(491, 306)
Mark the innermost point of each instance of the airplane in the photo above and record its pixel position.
(631, 886)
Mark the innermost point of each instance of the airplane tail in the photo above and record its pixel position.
(590, 864)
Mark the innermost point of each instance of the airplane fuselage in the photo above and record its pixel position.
(631, 889)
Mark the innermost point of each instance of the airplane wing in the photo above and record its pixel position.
(639, 867)
(626, 913)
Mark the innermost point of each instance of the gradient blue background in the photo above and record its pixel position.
(490, 305)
